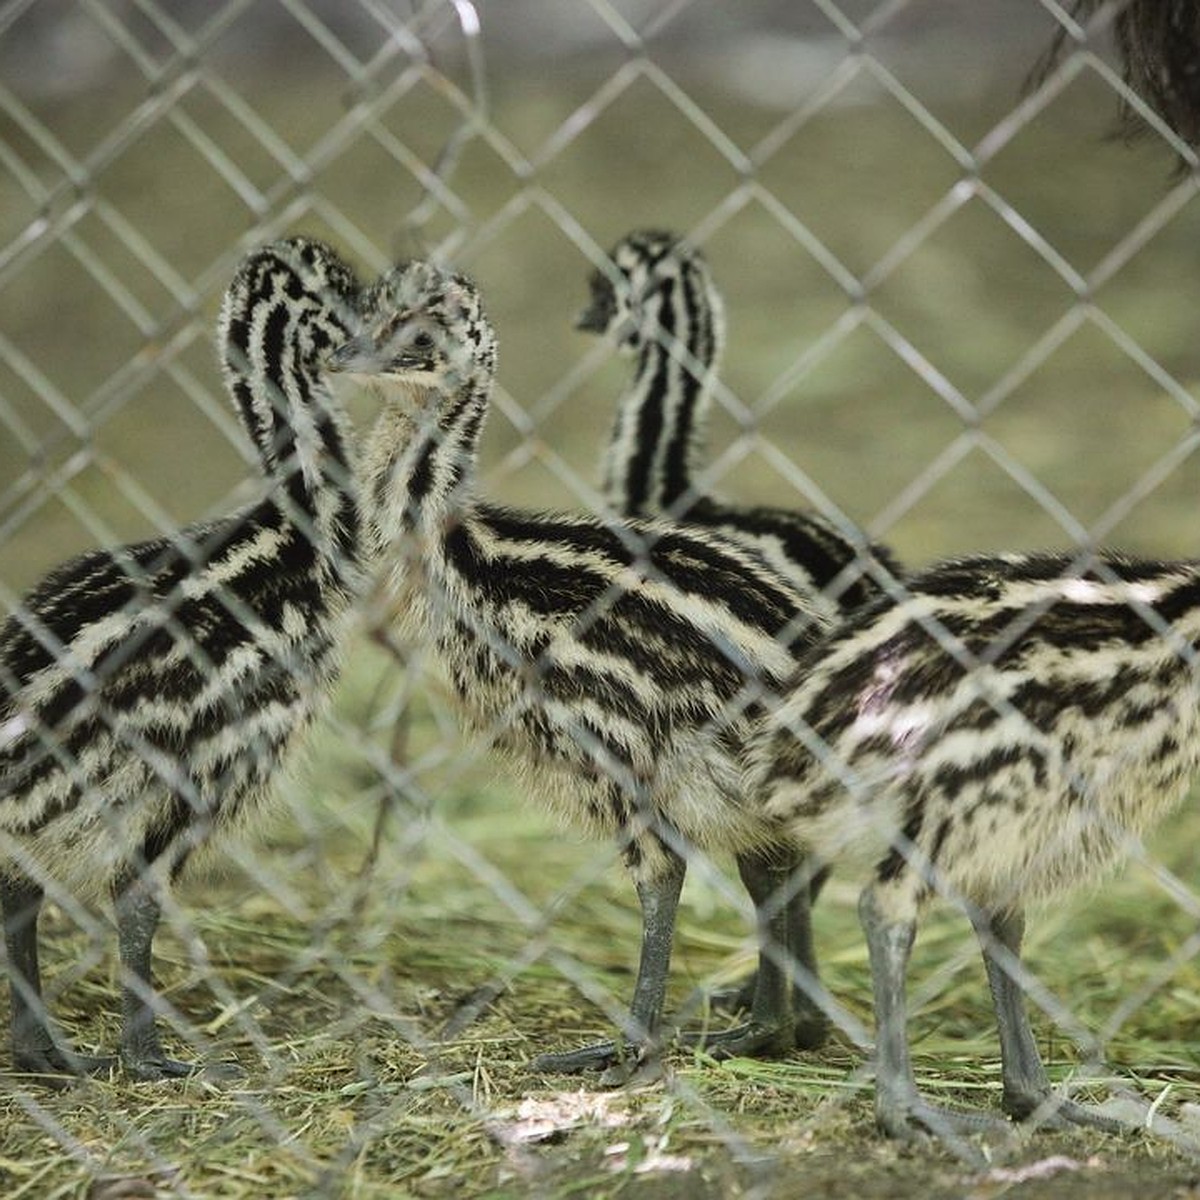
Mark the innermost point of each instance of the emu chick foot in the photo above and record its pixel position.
(811, 1024)
(1047, 1110)
(914, 1118)
(155, 1068)
(60, 1061)
(621, 1061)
(754, 1039)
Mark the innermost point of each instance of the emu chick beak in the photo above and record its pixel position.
(593, 319)
(355, 356)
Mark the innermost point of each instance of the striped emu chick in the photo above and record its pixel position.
(149, 693)
(1001, 734)
(659, 304)
(616, 663)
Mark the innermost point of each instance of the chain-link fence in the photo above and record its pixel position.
(959, 319)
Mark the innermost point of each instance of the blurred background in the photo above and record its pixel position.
(962, 313)
(958, 311)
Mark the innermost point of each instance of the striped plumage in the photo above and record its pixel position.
(999, 735)
(659, 304)
(148, 693)
(616, 663)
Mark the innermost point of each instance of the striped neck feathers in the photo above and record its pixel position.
(419, 460)
(429, 352)
(674, 323)
(291, 304)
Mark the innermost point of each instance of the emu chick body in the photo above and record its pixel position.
(617, 663)
(657, 302)
(148, 693)
(999, 735)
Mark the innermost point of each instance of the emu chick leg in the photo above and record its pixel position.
(811, 1021)
(659, 898)
(36, 1045)
(900, 1110)
(138, 910)
(1027, 1091)
(770, 1029)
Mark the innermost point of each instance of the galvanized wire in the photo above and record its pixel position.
(187, 69)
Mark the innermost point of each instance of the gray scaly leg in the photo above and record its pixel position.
(138, 911)
(771, 1028)
(1027, 1090)
(36, 1045)
(810, 1017)
(900, 1110)
(659, 898)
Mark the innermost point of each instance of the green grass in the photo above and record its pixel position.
(337, 988)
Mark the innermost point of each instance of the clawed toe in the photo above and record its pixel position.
(158, 1068)
(152, 1070)
(59, 1064)
(600, 1056)
(752, 1040)
(620, 1062)
(811, 1025)
(146, 1070)
(917, 1119)
(1051, 1111)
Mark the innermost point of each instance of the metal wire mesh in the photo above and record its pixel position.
(965, 285)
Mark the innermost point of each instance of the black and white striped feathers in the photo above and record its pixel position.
(148, 693)
(658, 302)
(588, 646)
(1001, 734)
(1015, 716)
(618, 663)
